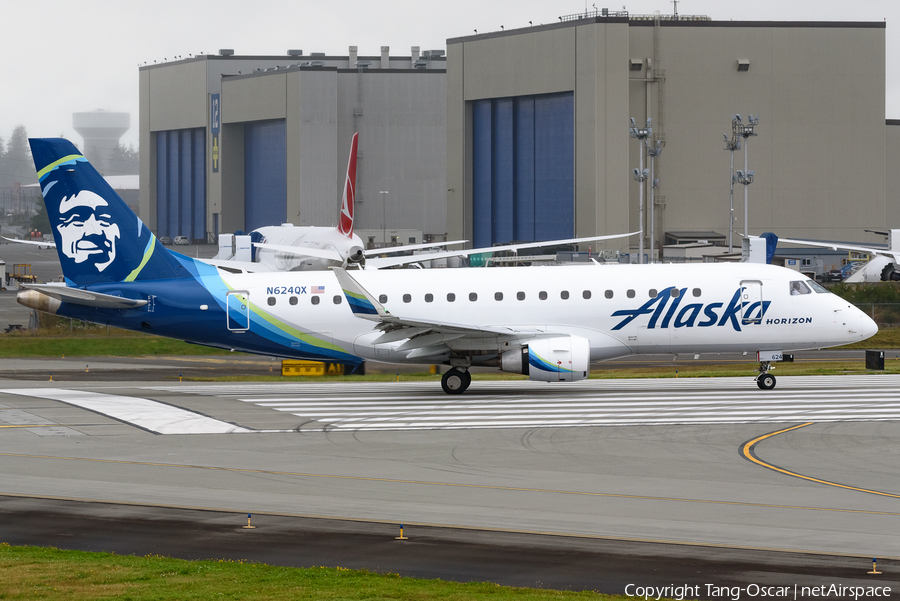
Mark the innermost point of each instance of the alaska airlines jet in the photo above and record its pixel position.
(549, 323)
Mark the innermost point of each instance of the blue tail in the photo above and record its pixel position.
(98, 238)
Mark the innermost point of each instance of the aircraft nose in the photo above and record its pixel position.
(869, 327)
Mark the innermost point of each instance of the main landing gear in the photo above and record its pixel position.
(456, 380)
(765, 380)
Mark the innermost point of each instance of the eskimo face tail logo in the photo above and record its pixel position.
(87, 233)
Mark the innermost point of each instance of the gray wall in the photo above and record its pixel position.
(399, 112)
(819, 89)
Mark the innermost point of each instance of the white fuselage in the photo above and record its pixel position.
(620, 309)
(307, 238)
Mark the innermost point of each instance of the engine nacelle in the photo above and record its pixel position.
(558, 359)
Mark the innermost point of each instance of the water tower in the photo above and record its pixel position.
(101, 131)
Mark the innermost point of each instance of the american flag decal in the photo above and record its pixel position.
(317, 290)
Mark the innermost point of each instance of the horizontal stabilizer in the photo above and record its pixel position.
(86, 298)
(302, 251)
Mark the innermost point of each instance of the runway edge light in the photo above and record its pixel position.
(248, 526)
(874, 567)
(401, 537)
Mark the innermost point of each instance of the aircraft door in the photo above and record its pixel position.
(237, 310)
(751, 302)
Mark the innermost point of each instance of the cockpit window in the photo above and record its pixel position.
(798, 287)
(816, 286)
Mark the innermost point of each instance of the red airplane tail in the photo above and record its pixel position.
(345, 224)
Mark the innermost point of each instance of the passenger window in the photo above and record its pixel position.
(586, 294)
(293, 300)
(542, 295)
(608, 294)
(520, 295)
(696, 292)
(564, 295)
(799, 288)
(498, 296)
(451, 297)
(407, 298)
(675, 293)
(429, 297)
(473, 297)
(271, 301)
(629, 294)
(337, 299)
(382, 298)
(653, 293)
(314, 300)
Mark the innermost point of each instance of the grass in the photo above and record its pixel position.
(39, 573)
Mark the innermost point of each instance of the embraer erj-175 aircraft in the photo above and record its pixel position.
(549, 323)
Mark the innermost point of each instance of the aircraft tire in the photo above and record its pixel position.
(765, 381)
(455, 381)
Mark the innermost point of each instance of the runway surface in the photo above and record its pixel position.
(676, 461)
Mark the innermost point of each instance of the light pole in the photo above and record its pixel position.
(640, 175)
(733, 144)
(654, 152)
(383, 218)
(745, 177)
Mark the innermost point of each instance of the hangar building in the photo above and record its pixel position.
(524, 134)
(538, 127)
(239, 142)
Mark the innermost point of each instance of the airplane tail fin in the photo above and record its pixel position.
(98, 238)
(345, 224)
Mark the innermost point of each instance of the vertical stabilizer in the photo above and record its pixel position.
(98, 238)
(345, 223)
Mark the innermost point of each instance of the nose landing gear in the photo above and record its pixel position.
(765, 380)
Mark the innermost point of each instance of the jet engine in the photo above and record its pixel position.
(557, 359)
(356, 256)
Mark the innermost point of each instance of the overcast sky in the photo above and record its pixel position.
(61, 57)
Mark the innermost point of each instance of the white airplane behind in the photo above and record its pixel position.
(884, 266)
(548, 323)
(39, 244)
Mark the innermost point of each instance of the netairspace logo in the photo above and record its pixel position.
(754, 591)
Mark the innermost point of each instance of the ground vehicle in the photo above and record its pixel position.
(182, 241)
(834, 275)
(166, 241)
(21, 272)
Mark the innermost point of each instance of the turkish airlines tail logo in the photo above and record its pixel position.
(345, 225)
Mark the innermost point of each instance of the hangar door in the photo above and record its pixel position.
(265, 173)
(181, 183)
(523, 168)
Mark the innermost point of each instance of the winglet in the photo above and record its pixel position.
(361, 302)
(345, 224)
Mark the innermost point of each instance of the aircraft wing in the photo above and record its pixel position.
(76, 296)
(33, 242)
(381, 263)
(319, 253)
(374, 252)
(841, 246)
(424, 338)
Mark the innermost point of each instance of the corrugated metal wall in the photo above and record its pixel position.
(181, 183)
(523, 168)
(265, 173)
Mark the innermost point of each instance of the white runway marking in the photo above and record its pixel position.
(144, 413)
(517, 404)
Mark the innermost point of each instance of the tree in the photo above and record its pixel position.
(41, 221)
(124, 161)
(18, 165)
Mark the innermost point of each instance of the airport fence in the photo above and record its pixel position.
(884, 314)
